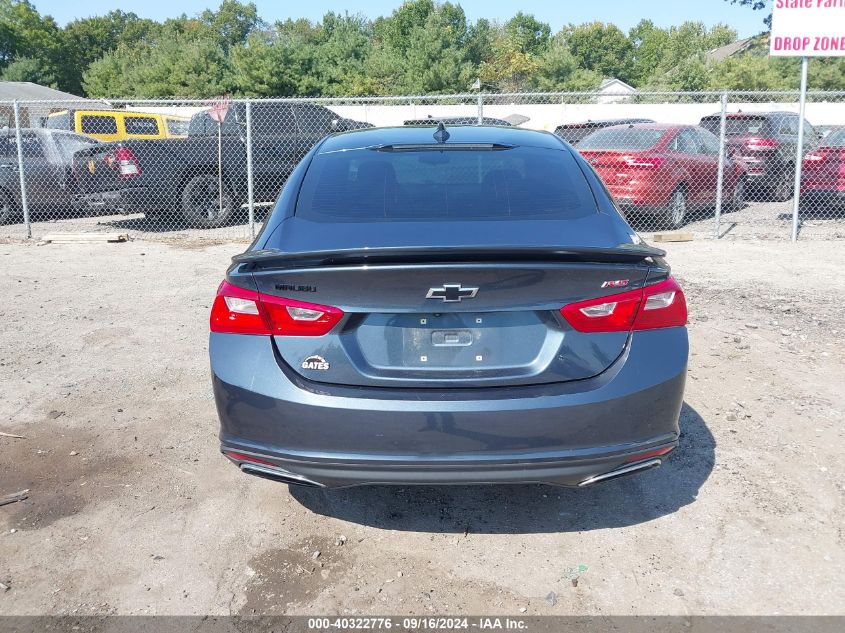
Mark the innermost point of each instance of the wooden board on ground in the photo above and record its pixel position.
(14, 497)
(673, 237)
(81, 238)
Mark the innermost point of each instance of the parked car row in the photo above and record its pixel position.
(667, 170)
(823, 174)
(662, 171)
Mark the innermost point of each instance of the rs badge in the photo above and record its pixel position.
(317, 363)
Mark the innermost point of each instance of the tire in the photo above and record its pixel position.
(675, 213)
(782, 191)
(6, 210)
(201, 202)
(738, 197)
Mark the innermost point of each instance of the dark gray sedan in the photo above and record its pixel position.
(461, 305)
(47, 162)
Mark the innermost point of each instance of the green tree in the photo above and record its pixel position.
(649, 45)
(24, 33)
(271, 63)
(344, 43)
(559, 71)
(87, 40)
(527, 33)
(30, 69)
(172, 66)
(231, 24)
(601, 48)
(751, 72)
(757, 5)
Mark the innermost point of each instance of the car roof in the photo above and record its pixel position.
(412, 135)
(607, 122)
(740, 115)
(457, 120)
(651, 126)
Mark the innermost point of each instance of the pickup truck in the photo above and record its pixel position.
(181, 175)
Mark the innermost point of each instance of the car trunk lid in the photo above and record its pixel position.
(449, 317)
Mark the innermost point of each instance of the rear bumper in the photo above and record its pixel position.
(647, 196)
(133, 200)
(561, 472)
(561, 433)
(811, 194)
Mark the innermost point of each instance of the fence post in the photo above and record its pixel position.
(480, 108)
(249, 174)
(21, 175)
(799, 158)
(720, 180)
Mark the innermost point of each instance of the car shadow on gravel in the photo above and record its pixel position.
(527, 509)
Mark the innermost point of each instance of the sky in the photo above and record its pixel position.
(623, 13)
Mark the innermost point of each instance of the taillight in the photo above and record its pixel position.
(240, 311)
(816, 158)
(127, 164)
(762, 143)
(659, 306)
(643, 162)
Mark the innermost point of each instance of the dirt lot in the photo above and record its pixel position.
(132, 509)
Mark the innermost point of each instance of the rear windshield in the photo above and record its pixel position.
(835, 139)
(177, 127)
(739, 126)
(58, 121)
(367, 185)
(626, 138)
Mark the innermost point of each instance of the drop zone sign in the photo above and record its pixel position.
(808, 28)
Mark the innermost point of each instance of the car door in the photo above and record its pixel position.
(787, 136)
(276, 148)
(687, 148)
(42, 181)
(709, 152)
(9, 174)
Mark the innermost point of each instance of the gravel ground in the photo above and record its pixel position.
(132, 510)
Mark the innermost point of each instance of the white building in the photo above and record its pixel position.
(615, 89)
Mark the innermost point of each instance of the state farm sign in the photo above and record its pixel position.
(808, 28)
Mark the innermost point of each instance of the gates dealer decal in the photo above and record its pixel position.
(317, 363)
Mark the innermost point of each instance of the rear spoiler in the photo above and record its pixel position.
(625, 253)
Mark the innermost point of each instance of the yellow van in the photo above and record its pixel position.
(117, 125)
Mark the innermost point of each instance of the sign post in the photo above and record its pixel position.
(806, 28)
(219, 109)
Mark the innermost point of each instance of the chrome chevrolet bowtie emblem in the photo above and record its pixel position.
(451, 293)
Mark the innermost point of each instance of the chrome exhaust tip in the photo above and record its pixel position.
(277, 474)
(622, 471)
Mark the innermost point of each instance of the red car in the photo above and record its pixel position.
(823, 175)
(663, 170)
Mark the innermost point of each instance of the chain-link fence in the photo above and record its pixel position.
(715, 164)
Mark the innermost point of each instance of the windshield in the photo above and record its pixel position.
(627, 138)
(835, 139)
(368, 185)
(736, 126)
